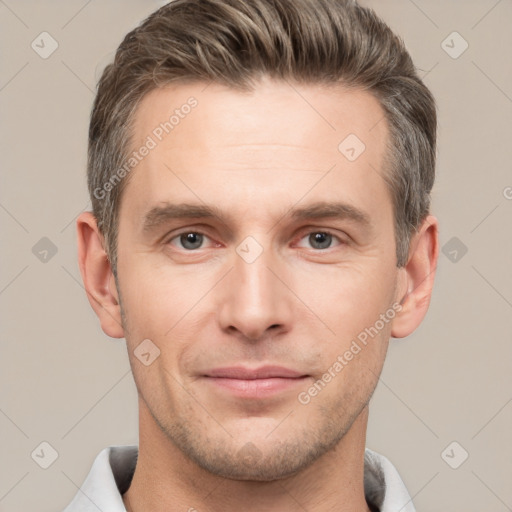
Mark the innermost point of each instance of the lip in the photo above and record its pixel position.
(264, 372)
(256, 383)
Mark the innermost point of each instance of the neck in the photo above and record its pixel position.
(165, 479)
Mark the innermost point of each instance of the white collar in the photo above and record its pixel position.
(113, 469)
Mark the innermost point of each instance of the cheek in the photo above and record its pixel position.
(353, 348)
(167, 307)
(347, 300)
(158, 297)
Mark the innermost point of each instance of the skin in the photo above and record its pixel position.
(300, 304)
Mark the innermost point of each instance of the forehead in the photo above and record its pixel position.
(308, 112)
(280, 138)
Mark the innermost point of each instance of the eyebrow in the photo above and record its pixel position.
(167, 212)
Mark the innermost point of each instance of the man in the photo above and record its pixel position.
(260, 174)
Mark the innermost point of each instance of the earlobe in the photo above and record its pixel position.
(97, 275)
(417, 279)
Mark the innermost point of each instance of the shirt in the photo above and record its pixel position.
(112, 472)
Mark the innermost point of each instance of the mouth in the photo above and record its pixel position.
(255, 383)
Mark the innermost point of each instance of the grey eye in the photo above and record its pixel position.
(320, 240)
(191, 240)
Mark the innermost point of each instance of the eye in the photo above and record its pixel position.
(321, 240)
(188, 240)
(193, 240)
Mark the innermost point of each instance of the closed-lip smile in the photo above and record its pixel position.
(254, 383)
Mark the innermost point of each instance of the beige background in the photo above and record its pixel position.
(64, 382)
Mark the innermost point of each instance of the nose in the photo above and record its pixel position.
(255, 302)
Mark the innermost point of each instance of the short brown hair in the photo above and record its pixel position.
(235, 42)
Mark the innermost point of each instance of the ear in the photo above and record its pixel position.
(416, 278)
(97, 275)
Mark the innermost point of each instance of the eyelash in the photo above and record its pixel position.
(305, 234)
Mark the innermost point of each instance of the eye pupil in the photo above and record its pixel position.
(323, 239)
(191, 240)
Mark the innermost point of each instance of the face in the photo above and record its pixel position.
(255, 253)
